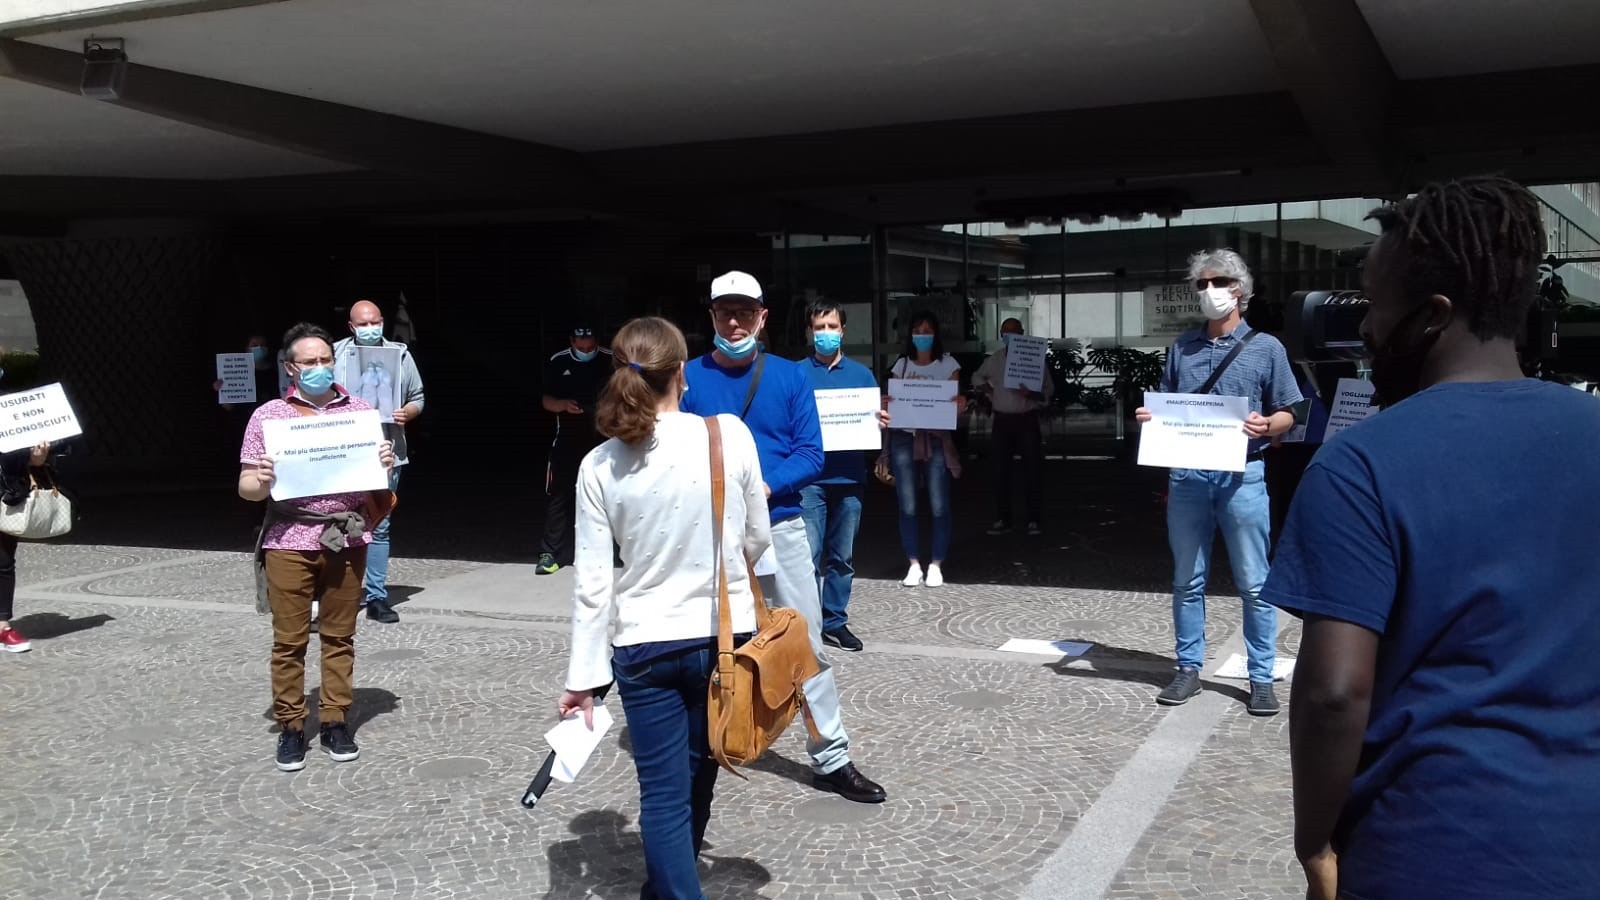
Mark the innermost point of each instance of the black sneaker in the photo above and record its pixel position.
(291, 750)
(381, 611)
(1034, 530)
(547, 565)
(1001, 526)
(842, 638)
(1263, 702)
(1184, 685)
(336, 740)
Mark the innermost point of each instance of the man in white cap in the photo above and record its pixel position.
(774, 398)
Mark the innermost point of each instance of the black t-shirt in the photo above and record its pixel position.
(565, 378)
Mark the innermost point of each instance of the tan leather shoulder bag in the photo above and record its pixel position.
(755, 691)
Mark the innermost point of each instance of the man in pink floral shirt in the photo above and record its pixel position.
(314, 547)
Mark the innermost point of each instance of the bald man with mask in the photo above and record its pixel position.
(366, 329)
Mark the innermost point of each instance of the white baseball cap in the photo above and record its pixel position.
(736, 284)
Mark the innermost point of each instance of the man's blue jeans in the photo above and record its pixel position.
(664, 701)
(1198, 503)
(832, 513)
(376, 585)
(908, 472)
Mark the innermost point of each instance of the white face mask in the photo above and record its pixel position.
(1217, 302)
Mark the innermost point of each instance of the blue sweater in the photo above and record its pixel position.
(782, 417)
(840, 466)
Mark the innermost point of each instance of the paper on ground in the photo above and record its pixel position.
(1234, 667)
(574, 743)
(1046, 648)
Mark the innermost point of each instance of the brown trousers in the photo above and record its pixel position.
(294, 579)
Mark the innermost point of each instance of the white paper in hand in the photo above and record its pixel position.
(767, 564)
(574, 743)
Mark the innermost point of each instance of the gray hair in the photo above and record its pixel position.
(1225, 262)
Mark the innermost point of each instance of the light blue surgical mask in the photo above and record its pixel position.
(259, 354)
(369, 335)
(1006, 339)
(827, 342)
(735, 350)
(315, 380)
(923, 342)
(583, 356)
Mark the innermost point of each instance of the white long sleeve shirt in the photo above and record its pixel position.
(654, 501)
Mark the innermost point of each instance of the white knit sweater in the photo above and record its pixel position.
(654, 501)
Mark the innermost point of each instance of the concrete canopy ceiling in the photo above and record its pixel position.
(43, 132)
(634, 73)
(828, 115)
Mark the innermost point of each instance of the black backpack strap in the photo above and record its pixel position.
(1226, 362)
(755, 382)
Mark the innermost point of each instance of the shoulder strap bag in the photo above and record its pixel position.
(755, 690)
(45, 513)
(760, 365)
(1227, 361)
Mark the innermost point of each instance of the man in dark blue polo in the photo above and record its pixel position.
(1200, 501)
(831, 505)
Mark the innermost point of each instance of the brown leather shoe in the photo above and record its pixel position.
(848, 782)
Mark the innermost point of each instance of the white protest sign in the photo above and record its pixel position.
(237, 372)
(36, 416)
(928, 403)
(1352, 402)
(1025, 362)
(373, 374)
(849, 419)
(316, 455)
(1195, 431)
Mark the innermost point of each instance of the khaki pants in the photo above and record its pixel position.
(294, 579)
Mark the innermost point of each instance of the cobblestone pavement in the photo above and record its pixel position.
(141, 752)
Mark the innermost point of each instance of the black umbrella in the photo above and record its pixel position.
(541, 781)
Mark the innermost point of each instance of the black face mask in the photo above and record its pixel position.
(1397, 365)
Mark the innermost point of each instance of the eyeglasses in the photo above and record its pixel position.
(743, 314)
(1221, 281)
(325, 361)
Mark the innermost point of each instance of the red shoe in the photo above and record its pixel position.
(12, 641)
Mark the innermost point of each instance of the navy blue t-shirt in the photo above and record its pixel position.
(1461, 526)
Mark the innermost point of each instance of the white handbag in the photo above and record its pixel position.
(44, 514)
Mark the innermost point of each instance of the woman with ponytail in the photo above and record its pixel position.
(648, 489)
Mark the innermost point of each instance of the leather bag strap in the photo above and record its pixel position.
(719, 490)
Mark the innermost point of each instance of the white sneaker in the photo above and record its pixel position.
(935, 576)
(913, 576)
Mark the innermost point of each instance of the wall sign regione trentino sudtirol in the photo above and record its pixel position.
(1171, 309)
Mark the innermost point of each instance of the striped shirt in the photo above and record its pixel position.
(1260, 373)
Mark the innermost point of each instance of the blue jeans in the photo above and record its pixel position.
(908, 472)
(664, 701)
(1198, 502)
(376, 585)
(833, 515)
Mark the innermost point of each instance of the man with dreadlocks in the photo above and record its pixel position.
(1445, 723)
